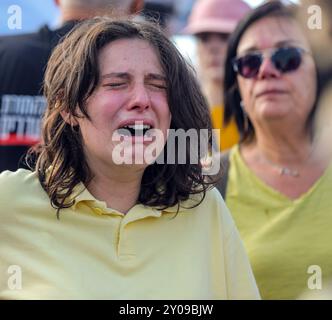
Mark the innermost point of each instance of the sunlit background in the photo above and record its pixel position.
(38, 12)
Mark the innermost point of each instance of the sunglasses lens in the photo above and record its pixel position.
(287, 59)
(248, 66)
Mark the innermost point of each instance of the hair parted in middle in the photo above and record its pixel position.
(71, 77)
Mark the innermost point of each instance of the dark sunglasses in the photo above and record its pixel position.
(284, 59)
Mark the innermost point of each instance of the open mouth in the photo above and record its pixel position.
(135, 130)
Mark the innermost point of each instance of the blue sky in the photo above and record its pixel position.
(33, 14)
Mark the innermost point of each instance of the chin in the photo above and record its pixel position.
(273, 109)
(273, 115)
(217, 78)
(136, 159)
(215, 74)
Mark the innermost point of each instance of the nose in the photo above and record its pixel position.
(215, 44)
(140, 99)
(268, 70)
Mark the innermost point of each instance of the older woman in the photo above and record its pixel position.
(278, 187)
(95, 221)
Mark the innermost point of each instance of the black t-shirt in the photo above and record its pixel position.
(23, 60)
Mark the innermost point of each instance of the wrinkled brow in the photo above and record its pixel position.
(126, 76)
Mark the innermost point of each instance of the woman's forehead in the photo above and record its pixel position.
(129, 56)
(270, 32)
(126, 49)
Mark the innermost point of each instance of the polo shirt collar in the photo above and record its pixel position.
(139, 211)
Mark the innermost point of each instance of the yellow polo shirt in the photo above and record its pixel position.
(229, 135)
(94, 252)
(288, 241)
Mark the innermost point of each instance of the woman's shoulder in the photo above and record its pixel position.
(213, 197)
(13, 183)
(215, 203)
(201, 201)
(213, 208)
(18, 175)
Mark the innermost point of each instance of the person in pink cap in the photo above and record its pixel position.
(211, 22)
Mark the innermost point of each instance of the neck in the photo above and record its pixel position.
(119, 188)
(213, 92)
(285, 148)
(74, 16)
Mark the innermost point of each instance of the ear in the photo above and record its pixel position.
(136, 6)
(69, 118)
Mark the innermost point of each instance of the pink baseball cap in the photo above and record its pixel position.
(219, 16)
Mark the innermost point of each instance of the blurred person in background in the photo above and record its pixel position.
(212, 22)
(160, 11)
(277, 186)
(22, 62)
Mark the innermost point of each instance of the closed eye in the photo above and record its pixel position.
(115, 84)
(158, 85)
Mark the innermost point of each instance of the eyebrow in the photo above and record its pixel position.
(126, 76)
(123, 75)
(156, 76)
(277, 45)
